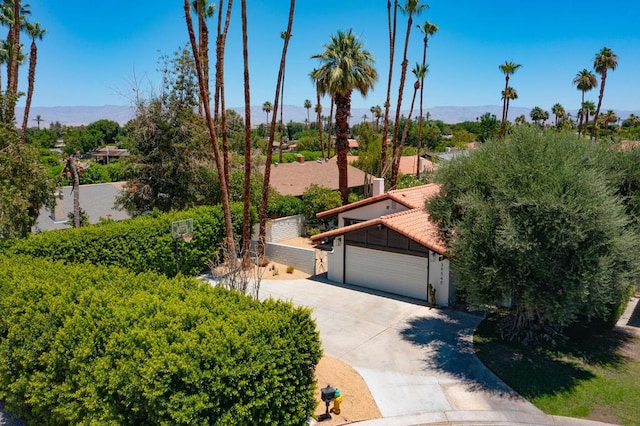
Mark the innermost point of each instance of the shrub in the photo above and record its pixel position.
(102, 345)
(290, 269)
(284, 205)
(141, 244)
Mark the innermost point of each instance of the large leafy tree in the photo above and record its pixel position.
(171, 166)
(25, 185)
(508, 68)
(345, 66)
(604, 61)
(585, 81)
(536, 223)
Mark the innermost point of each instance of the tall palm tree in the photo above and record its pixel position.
(585, 81)
(246, 218)
(211, 127)
(272, 128)
(428, 29)
(418, 71)
(411, 8)
(203, 10)
(508, 68)
(266, 107)
(35, 32)
(589, 108)
(508, 95)
(376, 112)
(345, 66)
(318, 111)
(609, 117)
(307, 105)
(605, 60)
(392, 26)
(558, 111)
(285, 36)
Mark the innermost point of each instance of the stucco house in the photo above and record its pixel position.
(388, 243)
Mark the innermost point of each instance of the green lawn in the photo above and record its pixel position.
(594, 375)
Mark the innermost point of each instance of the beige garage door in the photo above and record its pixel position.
(390, 272)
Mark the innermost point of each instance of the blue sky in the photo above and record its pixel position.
(95, 52)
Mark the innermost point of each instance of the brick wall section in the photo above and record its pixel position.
(303, 259)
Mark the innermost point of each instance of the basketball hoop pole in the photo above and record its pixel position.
(181, 229)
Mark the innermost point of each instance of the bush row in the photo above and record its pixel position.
(83, 344)
(141, 244)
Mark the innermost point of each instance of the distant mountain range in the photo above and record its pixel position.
(82, 115)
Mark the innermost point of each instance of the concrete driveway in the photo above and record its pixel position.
(415, 359)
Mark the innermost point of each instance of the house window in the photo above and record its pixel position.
(349, 221)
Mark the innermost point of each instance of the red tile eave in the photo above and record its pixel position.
(347, 207)
(390, 221)
(346, 229)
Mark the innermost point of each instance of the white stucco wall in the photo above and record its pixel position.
(336, 261)
(371, 211)
(283, 228)
(439, 279)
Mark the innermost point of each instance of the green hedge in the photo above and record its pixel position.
(82, 344)
(141, 244)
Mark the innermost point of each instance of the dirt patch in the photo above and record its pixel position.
(357, 402)
(279, 271)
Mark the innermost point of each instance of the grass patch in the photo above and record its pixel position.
(594, 374)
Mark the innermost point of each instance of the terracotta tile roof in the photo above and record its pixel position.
(295, 178)
(416, 196)
(413, 223)
(409, 163)
(410, 197)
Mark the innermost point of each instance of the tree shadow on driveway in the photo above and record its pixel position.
(447, 339)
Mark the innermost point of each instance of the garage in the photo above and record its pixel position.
(386, 271)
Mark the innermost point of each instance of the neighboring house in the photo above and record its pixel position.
(102, 155)
(408, 165)
(387, 242)
(294, 178)
(96, 200)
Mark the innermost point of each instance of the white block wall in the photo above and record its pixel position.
(303, 259)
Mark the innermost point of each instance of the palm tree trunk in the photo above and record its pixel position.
(403, 77)
(333, 103)
(246, 222)
(343, 108)
(226, 205)
(594, 130)
(392, 42)
(267, 166)
(319, 113)
(33, 57)
(424, 64)
(282, 128)
(405, 133)
(504, 107)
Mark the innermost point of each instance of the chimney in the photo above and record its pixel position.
(378, 186)
(300, 158)
(421, 163)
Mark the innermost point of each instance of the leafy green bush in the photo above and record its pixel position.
(284, 205)
(317, 199)
(141, 244)
(82, 344)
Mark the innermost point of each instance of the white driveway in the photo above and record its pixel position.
(415, 359)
